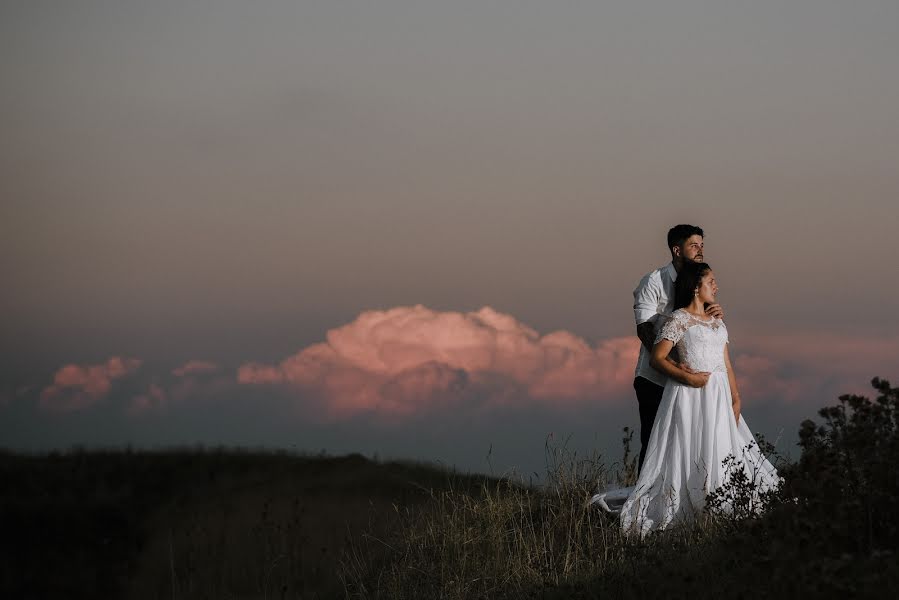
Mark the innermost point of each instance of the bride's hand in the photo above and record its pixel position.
(697, 380)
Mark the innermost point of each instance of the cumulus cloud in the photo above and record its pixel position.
(407, 359)
(194, 367)
(762, 377)
(194, 381)
(154, 398)
(76, 387)
(810, 366)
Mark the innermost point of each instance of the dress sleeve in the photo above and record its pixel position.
(673, 329)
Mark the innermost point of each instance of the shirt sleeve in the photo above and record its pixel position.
(673, 329)
(646, 298)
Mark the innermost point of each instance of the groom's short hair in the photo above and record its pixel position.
(679, 234)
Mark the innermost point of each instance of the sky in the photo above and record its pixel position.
(412, 229)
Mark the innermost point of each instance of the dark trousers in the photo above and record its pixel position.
(649, 396)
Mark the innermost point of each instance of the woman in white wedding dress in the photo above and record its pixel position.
(698, 424)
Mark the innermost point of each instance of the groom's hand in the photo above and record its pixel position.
(714, 311)
(697, 380)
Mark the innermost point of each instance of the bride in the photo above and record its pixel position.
(698, 424)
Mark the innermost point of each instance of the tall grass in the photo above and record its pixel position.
(505, 541)
(282, 536)
(194, 522)
(830, 529)
(238, 524)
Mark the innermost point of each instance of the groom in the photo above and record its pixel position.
(653, 301)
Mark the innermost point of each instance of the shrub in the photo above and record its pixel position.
(847, 476)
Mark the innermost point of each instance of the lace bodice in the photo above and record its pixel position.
(699, 343)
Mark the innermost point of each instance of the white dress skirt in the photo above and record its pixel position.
(693, 433)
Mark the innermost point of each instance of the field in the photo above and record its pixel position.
(232, 523)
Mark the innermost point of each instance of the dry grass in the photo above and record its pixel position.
(831, 530)
(237, 524)
(511, 540)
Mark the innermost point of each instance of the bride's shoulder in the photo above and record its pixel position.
(679, 319)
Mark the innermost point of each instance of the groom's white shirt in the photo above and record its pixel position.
(653, 300)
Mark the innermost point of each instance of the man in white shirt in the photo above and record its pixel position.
(653, 300)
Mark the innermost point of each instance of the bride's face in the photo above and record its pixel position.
(708, 289)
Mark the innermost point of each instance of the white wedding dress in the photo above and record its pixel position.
(694, 431)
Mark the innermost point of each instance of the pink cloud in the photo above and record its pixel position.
(810, 365)
(154, 398)
(76, 387)
(406, 359)
(761, 377)
(162, 396)
(195, 367)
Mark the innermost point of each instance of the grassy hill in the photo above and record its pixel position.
(197, 523)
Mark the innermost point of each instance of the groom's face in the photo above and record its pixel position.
(692, 249)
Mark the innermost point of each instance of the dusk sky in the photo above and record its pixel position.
(414, 228)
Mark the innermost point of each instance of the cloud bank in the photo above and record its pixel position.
(78, 387)
(193, 367)
(805, 367)
(405, 360)
(193, 382)
(409, 361)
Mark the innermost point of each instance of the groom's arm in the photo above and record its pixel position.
(647, 334)
(661, 362)
(647, 297)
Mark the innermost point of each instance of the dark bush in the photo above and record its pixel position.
(848, 474)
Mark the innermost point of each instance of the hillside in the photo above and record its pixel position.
(195, 522)
(230, 523)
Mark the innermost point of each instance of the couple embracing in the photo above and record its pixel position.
(687, 393)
